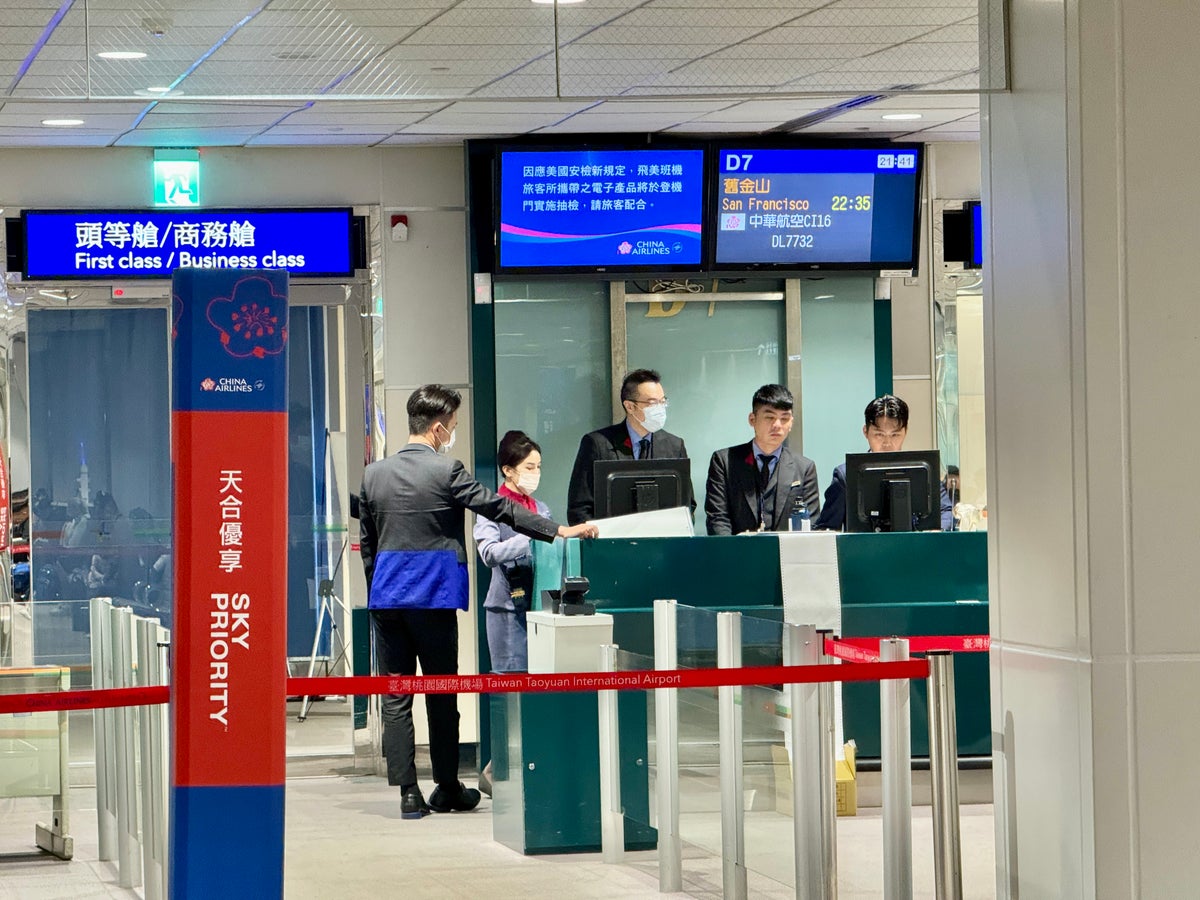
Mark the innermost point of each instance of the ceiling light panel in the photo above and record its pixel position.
(370, 116)
(212, 115)
(349, 52)
(234, 136)
(24, 114)
(313, 47)
(284, 136)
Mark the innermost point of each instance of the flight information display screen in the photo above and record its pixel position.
(845, 207)
(600, 209)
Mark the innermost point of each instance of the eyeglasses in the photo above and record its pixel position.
(663, 402)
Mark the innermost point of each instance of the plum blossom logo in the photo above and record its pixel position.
(252, 322)
(624, 248)
(207, 384)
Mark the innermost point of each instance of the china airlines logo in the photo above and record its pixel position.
(207, 384)
(624, 248)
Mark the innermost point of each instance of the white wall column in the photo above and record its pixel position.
(1092, 344)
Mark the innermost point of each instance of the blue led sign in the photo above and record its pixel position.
(120, 244)
(798, 208)
(976, 235)
(600, 209)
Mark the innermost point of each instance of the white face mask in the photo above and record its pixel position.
(449, 445)
(656, 418)
(529, 481)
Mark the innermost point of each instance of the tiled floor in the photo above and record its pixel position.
(346, 840)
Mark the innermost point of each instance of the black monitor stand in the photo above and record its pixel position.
(899, 509)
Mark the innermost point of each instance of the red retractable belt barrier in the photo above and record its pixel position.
(861, 650)
(496, 684)
(866, 649)
(94, 699)
(604, 681)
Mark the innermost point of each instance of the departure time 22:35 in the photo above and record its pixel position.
(842, 203)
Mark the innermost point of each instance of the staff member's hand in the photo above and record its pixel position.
(585, 530)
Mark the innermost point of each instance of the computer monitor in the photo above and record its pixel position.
(898, 491)
(624, 486)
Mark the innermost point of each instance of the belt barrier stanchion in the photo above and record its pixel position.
(733, 809)
(612, 816)
(895, 742)
(104, 725)
(666, 734)
(826, 716)
(943, 771)
(151, 721)
(801, 649)
(129, 850)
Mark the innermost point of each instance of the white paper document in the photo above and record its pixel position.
(812, 593)
(675, 522)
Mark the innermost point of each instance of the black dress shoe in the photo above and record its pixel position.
(413, 805)
(462, 800)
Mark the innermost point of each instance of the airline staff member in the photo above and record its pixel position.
(756, 486)
(639, 436)
(885, 429)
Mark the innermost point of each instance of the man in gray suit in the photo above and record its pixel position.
(757, 486)
(412, 515)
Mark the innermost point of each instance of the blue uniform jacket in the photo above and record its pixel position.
(412, 515)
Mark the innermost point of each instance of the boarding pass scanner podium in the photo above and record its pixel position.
(559, 643)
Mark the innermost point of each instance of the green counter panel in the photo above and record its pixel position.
(545, 757)
(546, 772)
(904, 584)
(720, 572)
(891, 584)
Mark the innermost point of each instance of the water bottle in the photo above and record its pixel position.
(800, 519)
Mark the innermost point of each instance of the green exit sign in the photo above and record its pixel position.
(176, 178)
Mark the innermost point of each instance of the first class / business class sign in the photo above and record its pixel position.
(126, 243)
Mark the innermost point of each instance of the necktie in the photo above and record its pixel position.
(764, 476)
(644, 448)
(764, 471)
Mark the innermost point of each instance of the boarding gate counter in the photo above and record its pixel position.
(544, 746)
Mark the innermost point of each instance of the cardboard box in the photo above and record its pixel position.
(783, 779)
(845, 781)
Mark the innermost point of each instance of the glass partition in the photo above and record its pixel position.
(713, 355)
(100, 473)
(838, 366)
(767, 824)
(958, 377)
(699, 745)
(766, 760)
(552, 372)
(958, 348)
(639, 758)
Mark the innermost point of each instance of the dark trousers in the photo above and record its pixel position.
(402, 638)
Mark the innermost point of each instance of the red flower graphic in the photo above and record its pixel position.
(249, 321)
(624, 248)
(207, 384)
